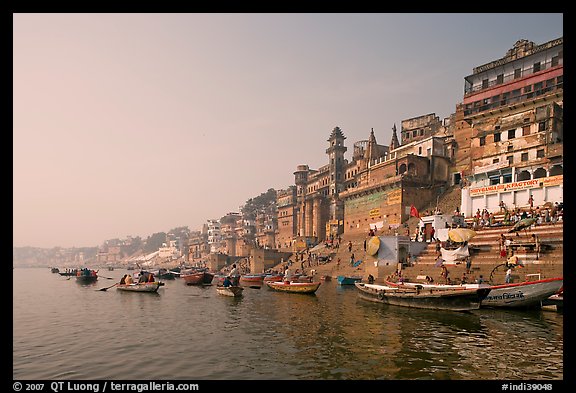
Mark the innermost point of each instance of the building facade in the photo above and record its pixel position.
(514, 109)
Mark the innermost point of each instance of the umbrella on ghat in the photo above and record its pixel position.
(460, 235)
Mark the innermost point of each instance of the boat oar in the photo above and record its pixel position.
(108, 278)
(106, 288)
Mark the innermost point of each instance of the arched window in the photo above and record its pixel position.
(540, 172)
(402, 169)
(524, 175)
(556, 170)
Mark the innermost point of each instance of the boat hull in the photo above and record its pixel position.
(522, 295)
(294, 287)
(348, 280)
(139, 287)
(526, 294)
(431, 299)
(233, 291)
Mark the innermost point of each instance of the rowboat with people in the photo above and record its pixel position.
(140, 287)
(86, 276)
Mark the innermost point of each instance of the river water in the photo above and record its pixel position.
(63, 330)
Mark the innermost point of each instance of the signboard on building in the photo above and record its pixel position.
(375, 213)
(519, 185)
(394, 197)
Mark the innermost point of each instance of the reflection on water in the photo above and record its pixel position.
(64, 331)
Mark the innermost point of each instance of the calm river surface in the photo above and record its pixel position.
(63, 330)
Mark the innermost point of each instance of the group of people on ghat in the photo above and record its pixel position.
(546, 214)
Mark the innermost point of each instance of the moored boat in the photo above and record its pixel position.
(273, 277)
(140, 287)
(193, 278)
(294, 287)
(252, 280)
(527, 294)
(233, 291)
(348, 280)
(55, 270)
(418, 297)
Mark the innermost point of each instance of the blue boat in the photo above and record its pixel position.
(348, 280)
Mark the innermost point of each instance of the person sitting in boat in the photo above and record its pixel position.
(143, 277)
(370, 279)
(227, 282)
(129, 279)
(151, 277)
(123, 279)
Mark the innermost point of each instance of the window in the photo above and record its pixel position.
(511, 134)
(507, 178)
(484, 83)
(555, 61)
(429, 152)
(510, 147)
(536, 67)
(414, 133)
(499, 79)
(510, 160)
(525, 130)
(559, 82)
(482, 140)
(540, 153)
(517, 73)
(495, 101)
(524, 157)
(420, 150)
(497, 137)
(494, 180)
(538, 88)
(542, 126)
(495, 161)
(505, 98)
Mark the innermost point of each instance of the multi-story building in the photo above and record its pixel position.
(286, 205)
(513, 108)
(214, 235)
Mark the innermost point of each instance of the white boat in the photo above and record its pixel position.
(234, 291)
(522, 295)
(140, 287)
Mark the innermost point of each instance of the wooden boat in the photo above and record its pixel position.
(348, 280)
(165, 274)
(86, 276)
(252, 280)
(293, 286)
(429, 298)
(554, 302)
(193, 278)
(140, 287)
(55, 270)
(273, 277)
(71, 272)
(527, 294)
(234, 291)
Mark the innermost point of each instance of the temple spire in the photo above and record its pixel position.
(394, 143)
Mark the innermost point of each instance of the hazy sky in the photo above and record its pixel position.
(132, 124)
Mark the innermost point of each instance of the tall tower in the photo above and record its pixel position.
(335, 153)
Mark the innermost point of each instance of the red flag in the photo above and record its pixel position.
(414, 211)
